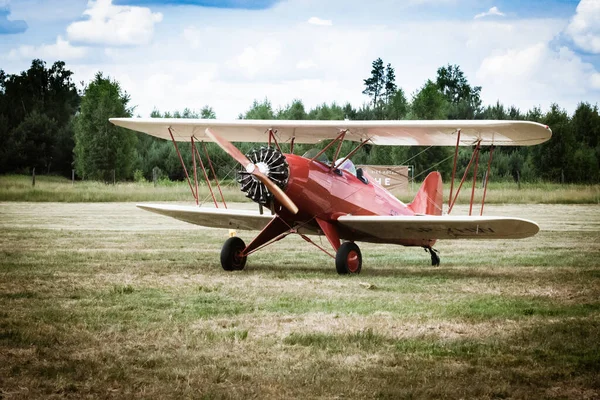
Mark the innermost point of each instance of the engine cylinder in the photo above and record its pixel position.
(271, 162)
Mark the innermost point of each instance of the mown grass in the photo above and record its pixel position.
(105, 300)
(59, 189)
(529, 193)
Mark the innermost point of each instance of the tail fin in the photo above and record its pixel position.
(430, 196)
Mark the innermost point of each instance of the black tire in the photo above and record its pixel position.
(231, 258)
(348, 259)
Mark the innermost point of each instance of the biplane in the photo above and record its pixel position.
(310, 195)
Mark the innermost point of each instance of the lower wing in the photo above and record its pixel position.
(212, 217)
(382, 227)
(440, 227)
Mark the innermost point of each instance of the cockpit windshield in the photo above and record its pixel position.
(347, 165)
(313, 152)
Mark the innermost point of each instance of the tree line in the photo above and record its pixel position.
(48, 124)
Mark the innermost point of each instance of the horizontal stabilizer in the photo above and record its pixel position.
(440, 227)
(212, 217)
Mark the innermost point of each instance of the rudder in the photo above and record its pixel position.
(430, 197)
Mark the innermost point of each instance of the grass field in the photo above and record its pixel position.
(104, 300)
(58, 189)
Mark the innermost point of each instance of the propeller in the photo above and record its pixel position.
(254, 170)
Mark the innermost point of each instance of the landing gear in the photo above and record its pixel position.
(435, 259)
(232, 258)
(348, 259)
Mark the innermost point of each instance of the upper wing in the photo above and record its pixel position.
(212, 217)
(440, 227)
(397, 133)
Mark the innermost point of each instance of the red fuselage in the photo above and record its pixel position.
(326, 194)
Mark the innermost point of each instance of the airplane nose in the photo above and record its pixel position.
(270, 162)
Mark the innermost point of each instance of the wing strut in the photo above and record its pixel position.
(274, 139)
(195, 194)
(474, 156)
(475, 152)
(213, 173)
(487, 179)
(340, 137)
(453, 171)
(196, 154)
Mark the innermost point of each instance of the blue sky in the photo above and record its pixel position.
(229, 4)
(188, 53)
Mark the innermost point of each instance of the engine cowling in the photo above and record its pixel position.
(271, 162)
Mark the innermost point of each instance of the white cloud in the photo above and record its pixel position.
(306, 64)
(246, 57)
(263, 58)
(584, 27)
(595, 81)
(61, 50)
(537, 75)
(319, 21)
(297, 61)
(193, 36)
(112, 25)
(492, 11)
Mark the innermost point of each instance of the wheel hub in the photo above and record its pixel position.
(352, 261)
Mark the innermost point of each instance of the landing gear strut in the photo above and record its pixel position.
(232, 258)
(435, 259)
(348, 259)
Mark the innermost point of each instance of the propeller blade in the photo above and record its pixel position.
(277, 192)
(230, 149)
(234, 152)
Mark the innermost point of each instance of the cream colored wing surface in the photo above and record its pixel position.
(397, 133)
(440, 227)
(212, 217)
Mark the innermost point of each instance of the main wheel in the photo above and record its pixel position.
(348, 259)
(232, 258)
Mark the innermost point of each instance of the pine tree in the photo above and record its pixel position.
(389, 83)
(375, 83)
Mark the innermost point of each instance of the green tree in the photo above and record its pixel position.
(327, 112)
(31, 98)
(259, 110)
(366, 113)
(389, 83)
(398, 106)
(8, 147)
(497, 111)
(554, 158)
(101, 147)
(35, 140)
(294, 111)
(586, 125)
(464, 100)
(535, 114)
(429, 103)
(586, 132)
(375, 84)
(207, 112)
(349, 112)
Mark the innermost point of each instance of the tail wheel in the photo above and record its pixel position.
(348, 259)
(232, 258)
